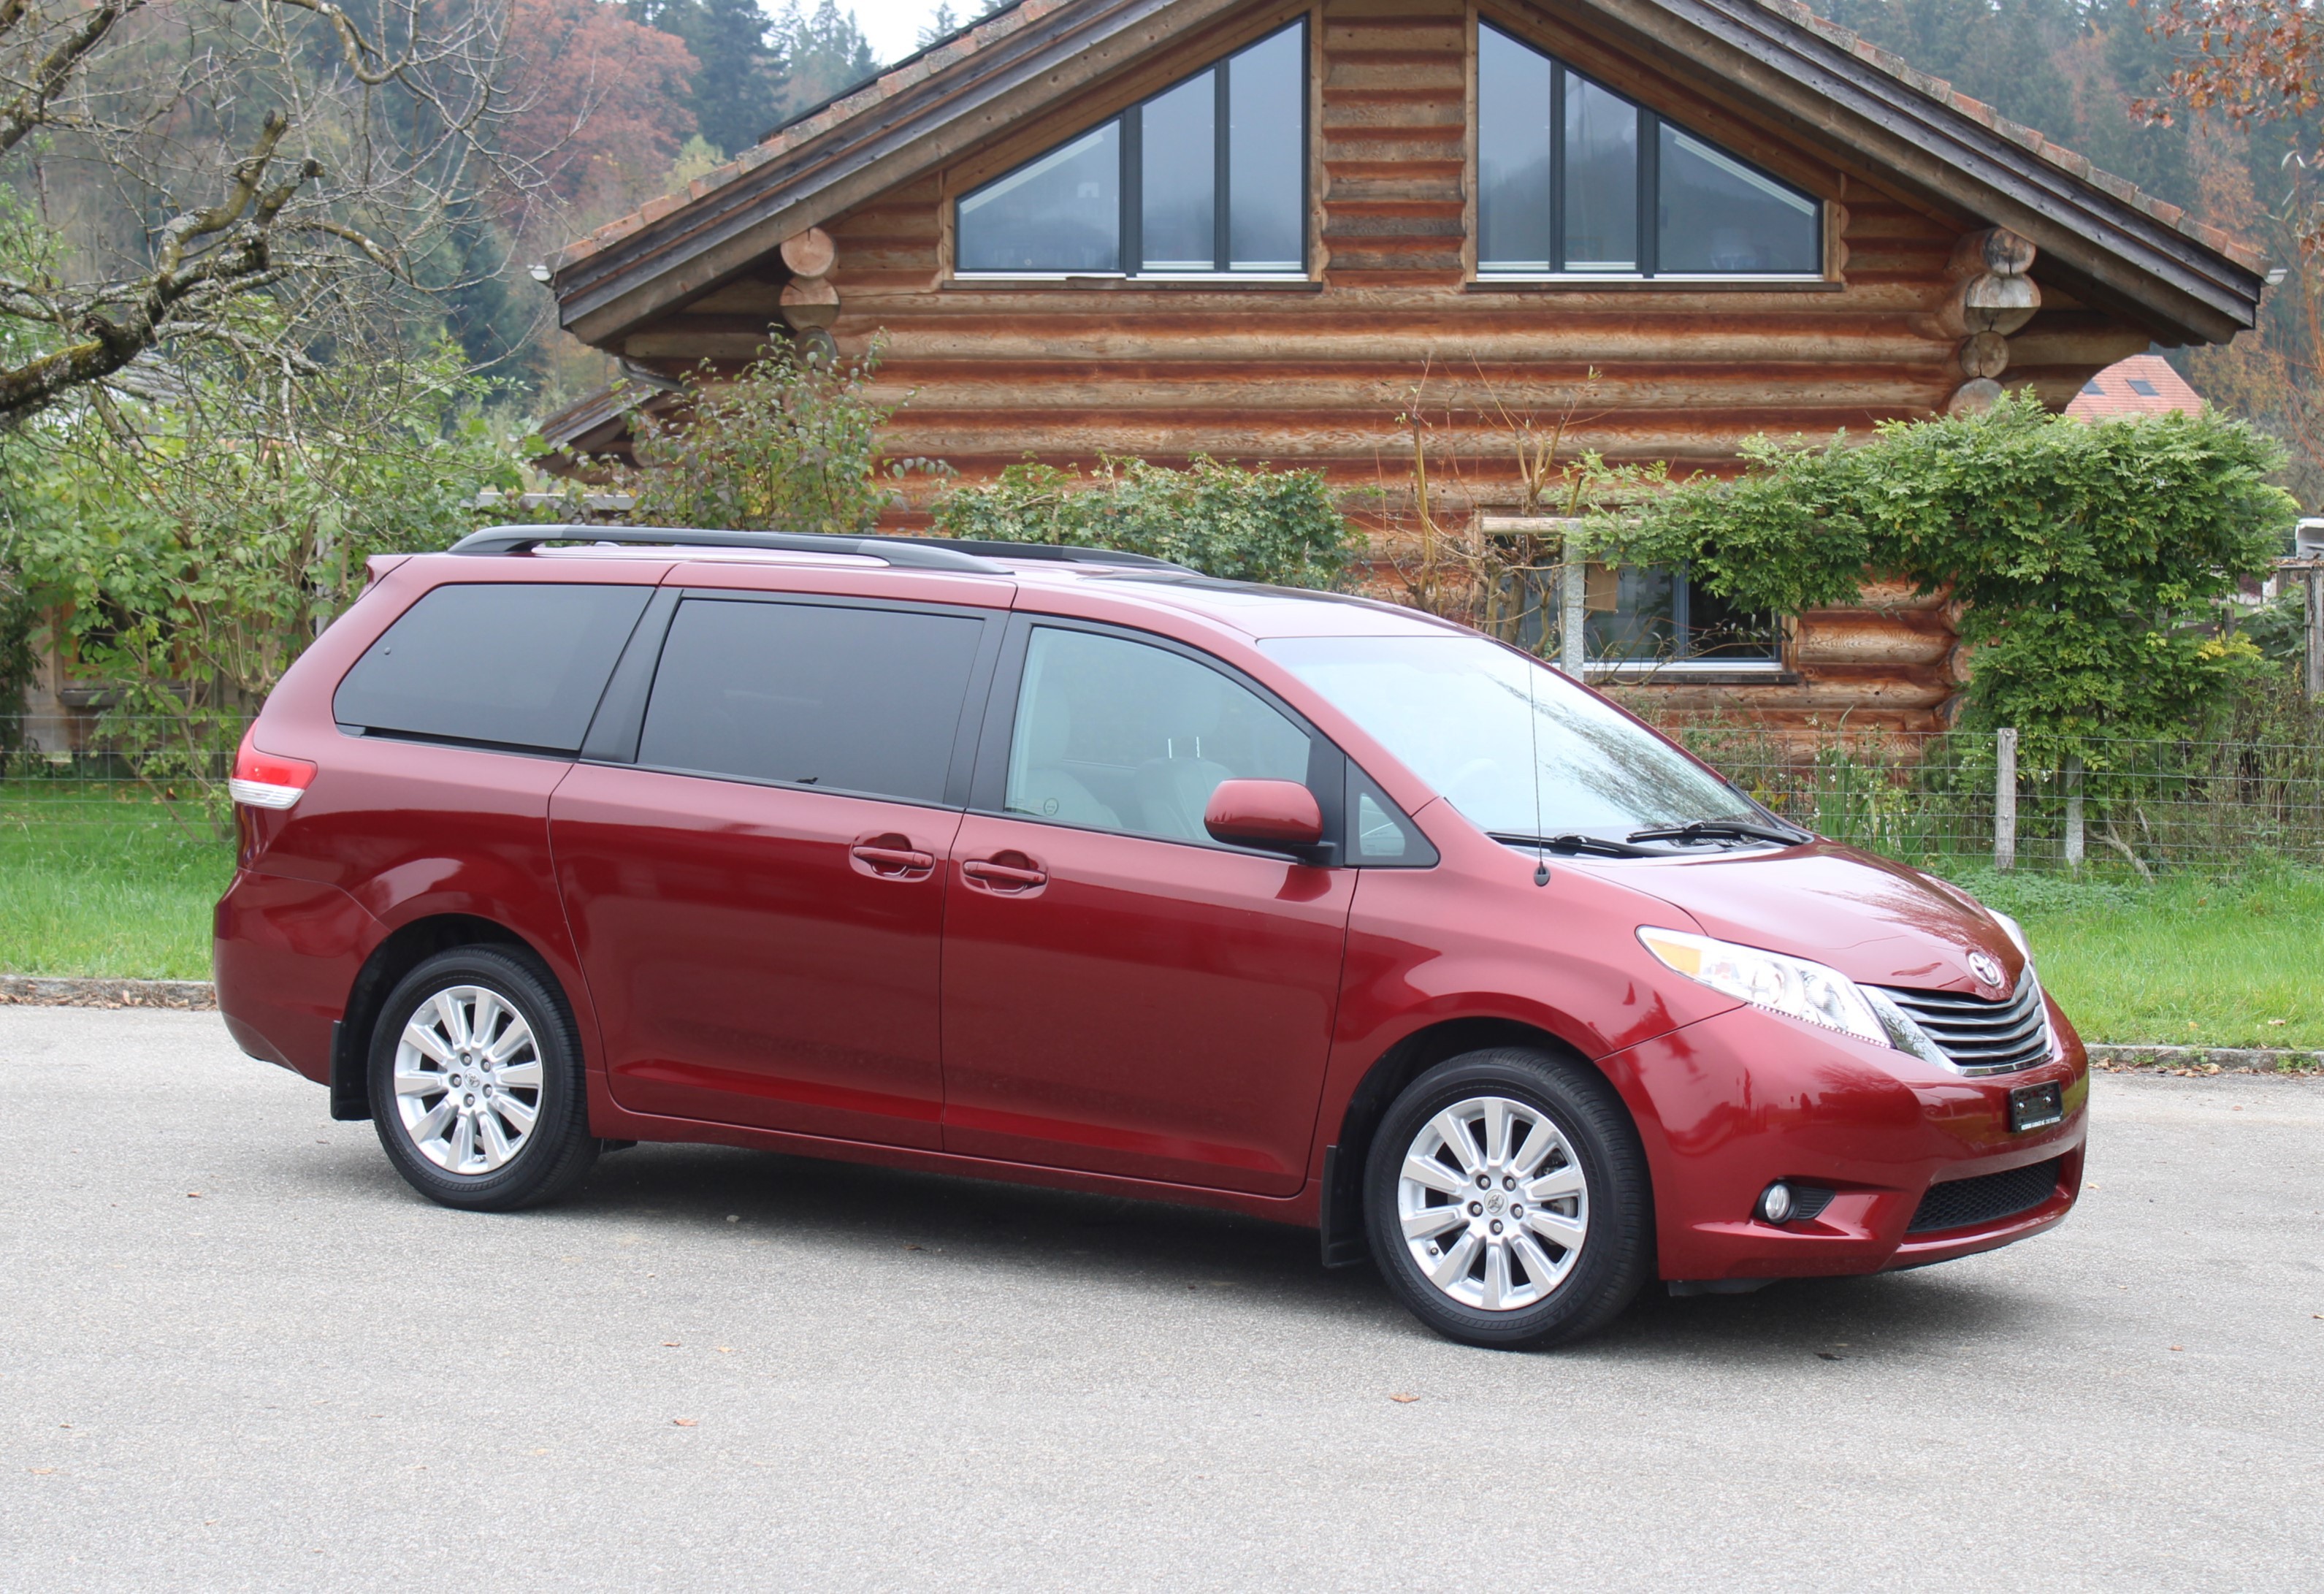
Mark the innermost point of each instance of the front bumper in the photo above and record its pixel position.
(1730, 1105)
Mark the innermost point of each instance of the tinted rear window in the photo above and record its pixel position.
(848, 700)
(514, 665)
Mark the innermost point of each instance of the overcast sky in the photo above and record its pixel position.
(893, 26)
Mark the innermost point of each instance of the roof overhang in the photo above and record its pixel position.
(2123, 251)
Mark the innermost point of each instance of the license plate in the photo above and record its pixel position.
(2036, 1107)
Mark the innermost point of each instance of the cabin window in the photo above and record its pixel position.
(1573, 179)
(1208, 177)
(1644, 615)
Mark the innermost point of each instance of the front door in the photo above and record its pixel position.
(1122, 994)
(758, 898)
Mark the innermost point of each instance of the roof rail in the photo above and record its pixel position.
(936, 553)
(896, 551)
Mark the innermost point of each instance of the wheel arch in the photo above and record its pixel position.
(1341, 1217)
(403, 949)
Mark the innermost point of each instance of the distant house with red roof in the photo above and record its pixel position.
(2143, 385)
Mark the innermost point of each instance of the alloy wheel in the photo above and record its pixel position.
(467, 1079)
(1493, 1203)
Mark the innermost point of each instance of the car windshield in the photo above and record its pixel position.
(1515, 746)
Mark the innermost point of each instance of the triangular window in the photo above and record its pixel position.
(1207, 178)
(1573, 179)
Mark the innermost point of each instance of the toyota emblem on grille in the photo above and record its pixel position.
(1986, 969)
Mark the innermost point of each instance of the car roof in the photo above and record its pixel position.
(1128, 581)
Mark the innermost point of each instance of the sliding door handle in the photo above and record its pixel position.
(892, 858)
(995, 875)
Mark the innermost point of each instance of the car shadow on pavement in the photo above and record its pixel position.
(1061, 1236)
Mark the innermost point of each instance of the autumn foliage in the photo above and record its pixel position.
(602, 100)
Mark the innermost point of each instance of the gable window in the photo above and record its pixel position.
(1573, 180)
(1207, 178)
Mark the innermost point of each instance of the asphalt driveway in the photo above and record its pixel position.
(235, 1351)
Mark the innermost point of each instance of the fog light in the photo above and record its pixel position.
(1775, 1204)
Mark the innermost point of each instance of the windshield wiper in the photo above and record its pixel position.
(1602, 846)
(1723, 829)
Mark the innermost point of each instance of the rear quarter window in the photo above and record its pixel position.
(502, 663)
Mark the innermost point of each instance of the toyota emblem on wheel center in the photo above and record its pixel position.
(1986, 969)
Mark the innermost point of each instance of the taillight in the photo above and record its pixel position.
(264, 779)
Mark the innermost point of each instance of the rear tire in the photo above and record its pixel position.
(1507, 1199)
(475, 1083)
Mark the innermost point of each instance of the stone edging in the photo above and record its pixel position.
(44, 990)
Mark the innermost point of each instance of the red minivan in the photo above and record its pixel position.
(1076, 868)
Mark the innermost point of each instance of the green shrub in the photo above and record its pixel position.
(791, 444)
(1275, 526)
(2088, 558)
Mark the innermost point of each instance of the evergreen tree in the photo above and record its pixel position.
(827, 53)
(738, 93)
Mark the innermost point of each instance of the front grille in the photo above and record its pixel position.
(1982, 1037)
(1962, 1203)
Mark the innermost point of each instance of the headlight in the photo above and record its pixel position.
(1793, 987)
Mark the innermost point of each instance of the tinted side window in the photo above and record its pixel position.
(516, 665)
(1118, 736)
(845, 699)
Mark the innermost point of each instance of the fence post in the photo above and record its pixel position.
(2073, 810)
(2005, 799)
(1573, 597)
(2315, 630)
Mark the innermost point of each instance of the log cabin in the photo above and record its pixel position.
(1270, 230)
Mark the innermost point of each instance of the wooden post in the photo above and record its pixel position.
(1573, 598)
(2073, 810)
(2316, 631)
(2005, 799)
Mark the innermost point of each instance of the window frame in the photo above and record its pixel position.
(643, 623)
(1130, 148)
(1682, 625)
(1650, 125)
(614, 736)
(1332, 775)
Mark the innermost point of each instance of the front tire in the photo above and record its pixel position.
(1507, 1199)
(476, 1085)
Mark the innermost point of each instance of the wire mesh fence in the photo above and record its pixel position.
(2139, 808)
(1953, 800)
(62, 774)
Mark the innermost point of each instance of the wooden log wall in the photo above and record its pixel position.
(1317, 373)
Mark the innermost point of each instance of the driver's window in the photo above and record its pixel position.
(1118, 736)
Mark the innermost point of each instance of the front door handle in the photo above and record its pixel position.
(995, 875)
(892, 858)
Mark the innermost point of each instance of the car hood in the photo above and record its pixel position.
(1877, 921)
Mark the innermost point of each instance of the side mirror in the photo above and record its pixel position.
(1276, 816)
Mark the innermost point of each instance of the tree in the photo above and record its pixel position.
(827, 53)
(598, 100)
(2256, 68)
(205, 155)
(737, 85)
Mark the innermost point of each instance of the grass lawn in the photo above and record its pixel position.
(2229, 961)
(95, 883)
